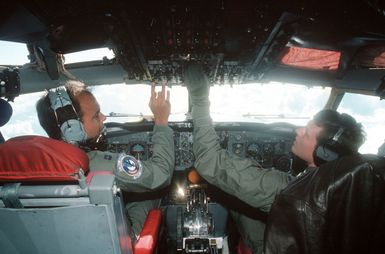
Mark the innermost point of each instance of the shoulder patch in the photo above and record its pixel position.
(130, 165)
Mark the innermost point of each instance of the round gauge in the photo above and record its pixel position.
(268, 148)
(253, 149)
(137, 150)
(283, 163)
(186, 157)
(238, 148)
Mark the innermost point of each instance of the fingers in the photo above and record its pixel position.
(163, 95)
(163, 92)
(153, 94)
(168, 96)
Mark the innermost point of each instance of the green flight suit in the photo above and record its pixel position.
(240, 177)
(156, 173)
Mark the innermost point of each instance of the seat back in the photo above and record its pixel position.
(48, 211)
(336, 208)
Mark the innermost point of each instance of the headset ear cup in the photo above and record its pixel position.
(324, 153)
(330, 149)
(73, 131)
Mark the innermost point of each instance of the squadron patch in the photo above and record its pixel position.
(130, 165)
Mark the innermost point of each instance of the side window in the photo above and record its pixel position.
(370, 112)
(24, 118)
(13, 53)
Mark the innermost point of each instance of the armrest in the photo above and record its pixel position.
(148, 238)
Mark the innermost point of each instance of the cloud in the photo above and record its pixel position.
(24, 118)
(13, 53)
(22, 127)
(134, 99)
(294, 102)
(370, 112)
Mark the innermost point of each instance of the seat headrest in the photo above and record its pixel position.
(5, 112)
(36, 158)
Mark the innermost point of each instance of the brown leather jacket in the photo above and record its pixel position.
(336, 208)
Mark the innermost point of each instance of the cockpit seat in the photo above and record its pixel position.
(336, 208)
(47, 204)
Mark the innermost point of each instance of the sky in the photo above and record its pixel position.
(263, 103)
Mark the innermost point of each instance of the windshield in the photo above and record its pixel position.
(263, 103)
(267, 103)
(129, 103)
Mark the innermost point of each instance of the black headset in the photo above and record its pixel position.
(330, 149)
(67, 119)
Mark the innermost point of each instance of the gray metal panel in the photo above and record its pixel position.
(49, 191)
(51, 202)
(32, 80)
(102, 189)
(121, 223)
(75, 229)
(48, 195)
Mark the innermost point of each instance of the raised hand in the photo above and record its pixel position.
(160, 105)
(197, 84)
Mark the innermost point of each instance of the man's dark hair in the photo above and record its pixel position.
(331, 121)
(46, 115)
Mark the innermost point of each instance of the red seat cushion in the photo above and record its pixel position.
(35, 158)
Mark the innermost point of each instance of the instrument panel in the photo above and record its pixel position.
(137, 144)
(268, 150)
(269, 145)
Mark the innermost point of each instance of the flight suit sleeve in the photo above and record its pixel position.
(237, 176)
(151, 174)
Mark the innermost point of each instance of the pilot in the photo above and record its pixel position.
(245, 178)
(71, 113)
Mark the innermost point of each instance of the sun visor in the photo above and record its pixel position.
(35, 158)
(371, 57)
(313, 59)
